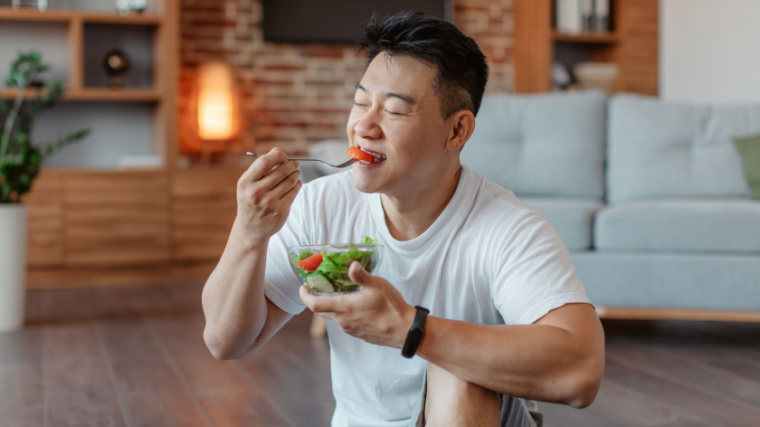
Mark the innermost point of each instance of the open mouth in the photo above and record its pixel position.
(378, 158)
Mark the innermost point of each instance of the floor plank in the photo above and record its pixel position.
(22, 378)
(221, 387)
(151, 391)
(78, 387)
(134, 356)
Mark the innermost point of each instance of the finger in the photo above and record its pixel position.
(280, 172)
(261, 191)
(291, 195)
(264, 164)
(283, 187)
(306, 297)
(317, 304)
(286, 201)
(358, 274)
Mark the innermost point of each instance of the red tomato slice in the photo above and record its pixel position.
(358, 154)
(311, 263)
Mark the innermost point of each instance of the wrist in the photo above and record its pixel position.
(244, 240)
(416, 332)
(406, 323)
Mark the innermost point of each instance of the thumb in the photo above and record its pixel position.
(358, 274)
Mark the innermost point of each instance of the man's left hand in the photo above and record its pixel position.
(377, 314)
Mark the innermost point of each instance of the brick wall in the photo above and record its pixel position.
(295, 94)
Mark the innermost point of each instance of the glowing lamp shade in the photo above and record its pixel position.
(217, 104)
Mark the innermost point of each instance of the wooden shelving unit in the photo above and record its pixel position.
(596, 38)
(632, 45)
(10, 14)
(103, 226)
(95, 94)
(160, 90)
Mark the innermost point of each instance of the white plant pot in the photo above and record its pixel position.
(12, 265)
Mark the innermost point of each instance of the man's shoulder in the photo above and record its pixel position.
(493, 199)
(501, 214)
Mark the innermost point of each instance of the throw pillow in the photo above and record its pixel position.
(749, 150)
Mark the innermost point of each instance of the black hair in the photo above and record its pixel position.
(461, 68)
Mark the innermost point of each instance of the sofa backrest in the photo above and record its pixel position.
(541, 145)
(659, 149)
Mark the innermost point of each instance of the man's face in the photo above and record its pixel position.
(397, 116)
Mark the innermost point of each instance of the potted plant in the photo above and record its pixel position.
(19, 165)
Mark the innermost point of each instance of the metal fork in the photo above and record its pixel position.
(342, 165)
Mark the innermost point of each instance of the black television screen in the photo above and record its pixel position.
(334, 21)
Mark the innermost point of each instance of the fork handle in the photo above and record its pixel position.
(248, 153)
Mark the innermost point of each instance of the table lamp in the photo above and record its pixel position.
(217, 106)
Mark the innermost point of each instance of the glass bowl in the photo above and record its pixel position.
(331, 276)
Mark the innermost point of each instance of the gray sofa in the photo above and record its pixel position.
(649, 196)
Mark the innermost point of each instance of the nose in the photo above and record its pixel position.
(367, 125)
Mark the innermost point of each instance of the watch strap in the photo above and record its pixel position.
(414, 336)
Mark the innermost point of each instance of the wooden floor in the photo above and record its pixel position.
(134, 356)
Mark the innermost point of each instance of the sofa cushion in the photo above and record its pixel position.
(682, 280)
(662, 149)
(680, 225)
(572, 218)
(541, 145)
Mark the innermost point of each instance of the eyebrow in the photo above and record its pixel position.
(406, 98)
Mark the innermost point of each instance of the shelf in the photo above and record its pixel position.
(596, 38)
(10, 14)
(96, 94)
(105, 94)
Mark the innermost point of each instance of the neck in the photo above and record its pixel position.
(410, 215)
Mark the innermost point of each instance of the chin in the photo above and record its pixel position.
(364, 184)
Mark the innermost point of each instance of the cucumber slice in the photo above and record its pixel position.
(319, 282)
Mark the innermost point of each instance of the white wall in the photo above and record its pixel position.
(710, 50)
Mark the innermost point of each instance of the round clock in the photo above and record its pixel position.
(116, 63)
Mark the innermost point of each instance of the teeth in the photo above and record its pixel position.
(375, 155)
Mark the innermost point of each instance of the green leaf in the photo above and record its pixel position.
(20, 160)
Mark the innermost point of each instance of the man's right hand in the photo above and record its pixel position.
(265, 193)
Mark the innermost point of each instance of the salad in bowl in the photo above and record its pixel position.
(324, 268)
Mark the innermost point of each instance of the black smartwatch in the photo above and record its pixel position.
(414, 336)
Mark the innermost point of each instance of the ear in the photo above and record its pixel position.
(462, 124)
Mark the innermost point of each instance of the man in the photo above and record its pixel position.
(507, 315)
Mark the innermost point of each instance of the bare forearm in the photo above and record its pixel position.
(543, 362)
(233, 298)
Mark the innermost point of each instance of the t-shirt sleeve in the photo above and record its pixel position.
(282, 284)
(534, 273)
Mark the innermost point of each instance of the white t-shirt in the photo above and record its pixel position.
(487, 259)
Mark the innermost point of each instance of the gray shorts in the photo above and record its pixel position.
(515, 412)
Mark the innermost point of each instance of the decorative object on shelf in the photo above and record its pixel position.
(139, 5)
(561, 78)
(576, 16)
(40, 5)
(596, 75)
(569, 16)
(125, 7)
(116, 63)
(19, 166)
(218, 108)
(600, 20)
